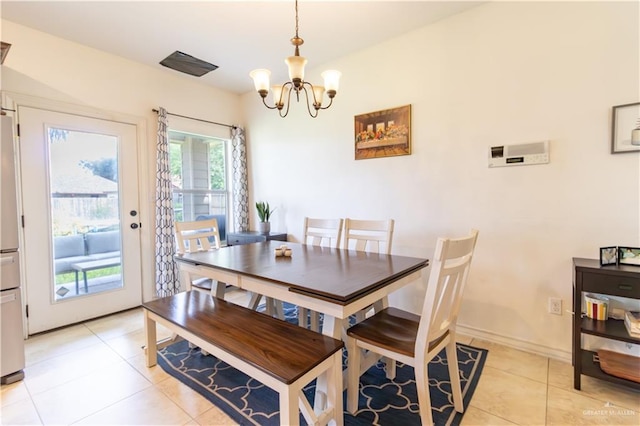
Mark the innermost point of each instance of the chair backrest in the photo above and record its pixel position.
(447, 279)
(194, 236)
(318, 232)
(368, 235)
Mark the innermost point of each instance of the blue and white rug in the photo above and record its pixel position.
(381, 402)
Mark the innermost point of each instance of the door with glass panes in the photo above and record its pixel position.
(82, 227)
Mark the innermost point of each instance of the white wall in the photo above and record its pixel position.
(502, 73)
(44, 66)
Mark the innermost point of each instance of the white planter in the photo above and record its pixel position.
(264, 227)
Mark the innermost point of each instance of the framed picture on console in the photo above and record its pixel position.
(629, 256)
(608, 256)
(625, 128)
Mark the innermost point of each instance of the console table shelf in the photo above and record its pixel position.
(589, 276)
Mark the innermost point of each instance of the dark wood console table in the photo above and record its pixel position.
(590, 277)
(238, 238)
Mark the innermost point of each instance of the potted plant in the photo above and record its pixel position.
(264, 213)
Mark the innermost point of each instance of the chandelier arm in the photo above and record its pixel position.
(288, 103)
(330, 102)
(313, 94)
(264, 101)
(306, 98)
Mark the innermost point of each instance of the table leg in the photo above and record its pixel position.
(86, 286)
(77, 284)
(150, 333)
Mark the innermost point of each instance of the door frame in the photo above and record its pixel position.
(10, 103)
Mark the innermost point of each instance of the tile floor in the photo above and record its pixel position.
(94, 373)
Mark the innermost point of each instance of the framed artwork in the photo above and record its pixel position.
(629, 256)
(385, 133)
(608, 256)
(625, 128)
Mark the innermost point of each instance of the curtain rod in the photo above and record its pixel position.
(198, 119)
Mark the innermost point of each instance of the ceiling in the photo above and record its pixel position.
(238, 36)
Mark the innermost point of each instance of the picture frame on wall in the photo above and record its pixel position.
(608, 256)
(384, 133)
(629, 256)
(625, 128)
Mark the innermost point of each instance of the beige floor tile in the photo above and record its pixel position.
(148, 407)
(188, 399)
(58, 342)
(13, 393)
(118, 324)
(64, 368)
(131, 344)
(571, 408)
(154, 374)
(515, 361)
(561, 376)
(461, 338)
(214, 417)
(128, 345)
(22, 412)
(511, 397)
(88, 394)
(475, 417)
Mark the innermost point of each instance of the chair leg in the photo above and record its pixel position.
(315, 321)
(302, 316)
(454, 376)
(353, 375)
(391, 368)
(277, 307)
(424, 399)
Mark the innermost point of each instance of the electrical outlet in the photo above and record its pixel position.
(555, 305)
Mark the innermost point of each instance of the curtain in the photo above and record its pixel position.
(167, 276)
(240, 181)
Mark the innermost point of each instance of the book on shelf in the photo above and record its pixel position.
(632, 323)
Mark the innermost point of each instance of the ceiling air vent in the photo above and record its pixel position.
(187, 64)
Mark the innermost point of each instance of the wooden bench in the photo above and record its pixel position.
(280, 355)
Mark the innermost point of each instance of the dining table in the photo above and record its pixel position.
(335, 282)
(332, 281)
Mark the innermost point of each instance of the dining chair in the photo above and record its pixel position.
(195, 236)
(325, 233)
(373, 236)
(416, 339)
(203, 235)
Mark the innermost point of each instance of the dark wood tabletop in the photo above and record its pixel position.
(333, 274)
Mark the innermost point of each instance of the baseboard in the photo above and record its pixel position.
(522, 345)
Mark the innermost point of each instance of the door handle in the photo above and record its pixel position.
(134, 226)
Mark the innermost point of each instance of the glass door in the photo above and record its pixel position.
(80, 199)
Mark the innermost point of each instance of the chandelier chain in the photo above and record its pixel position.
(297, 19)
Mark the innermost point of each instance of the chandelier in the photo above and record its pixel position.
(296, 83)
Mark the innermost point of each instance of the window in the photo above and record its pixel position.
(199, 177)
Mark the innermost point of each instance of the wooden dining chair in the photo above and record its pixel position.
(195, 236)
(204, 235)
(324, 233)
(373, 236)
(415, 340)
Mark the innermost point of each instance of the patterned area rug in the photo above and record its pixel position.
(381, 402)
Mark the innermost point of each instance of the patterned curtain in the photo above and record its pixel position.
(167, 277)
(240, 182)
